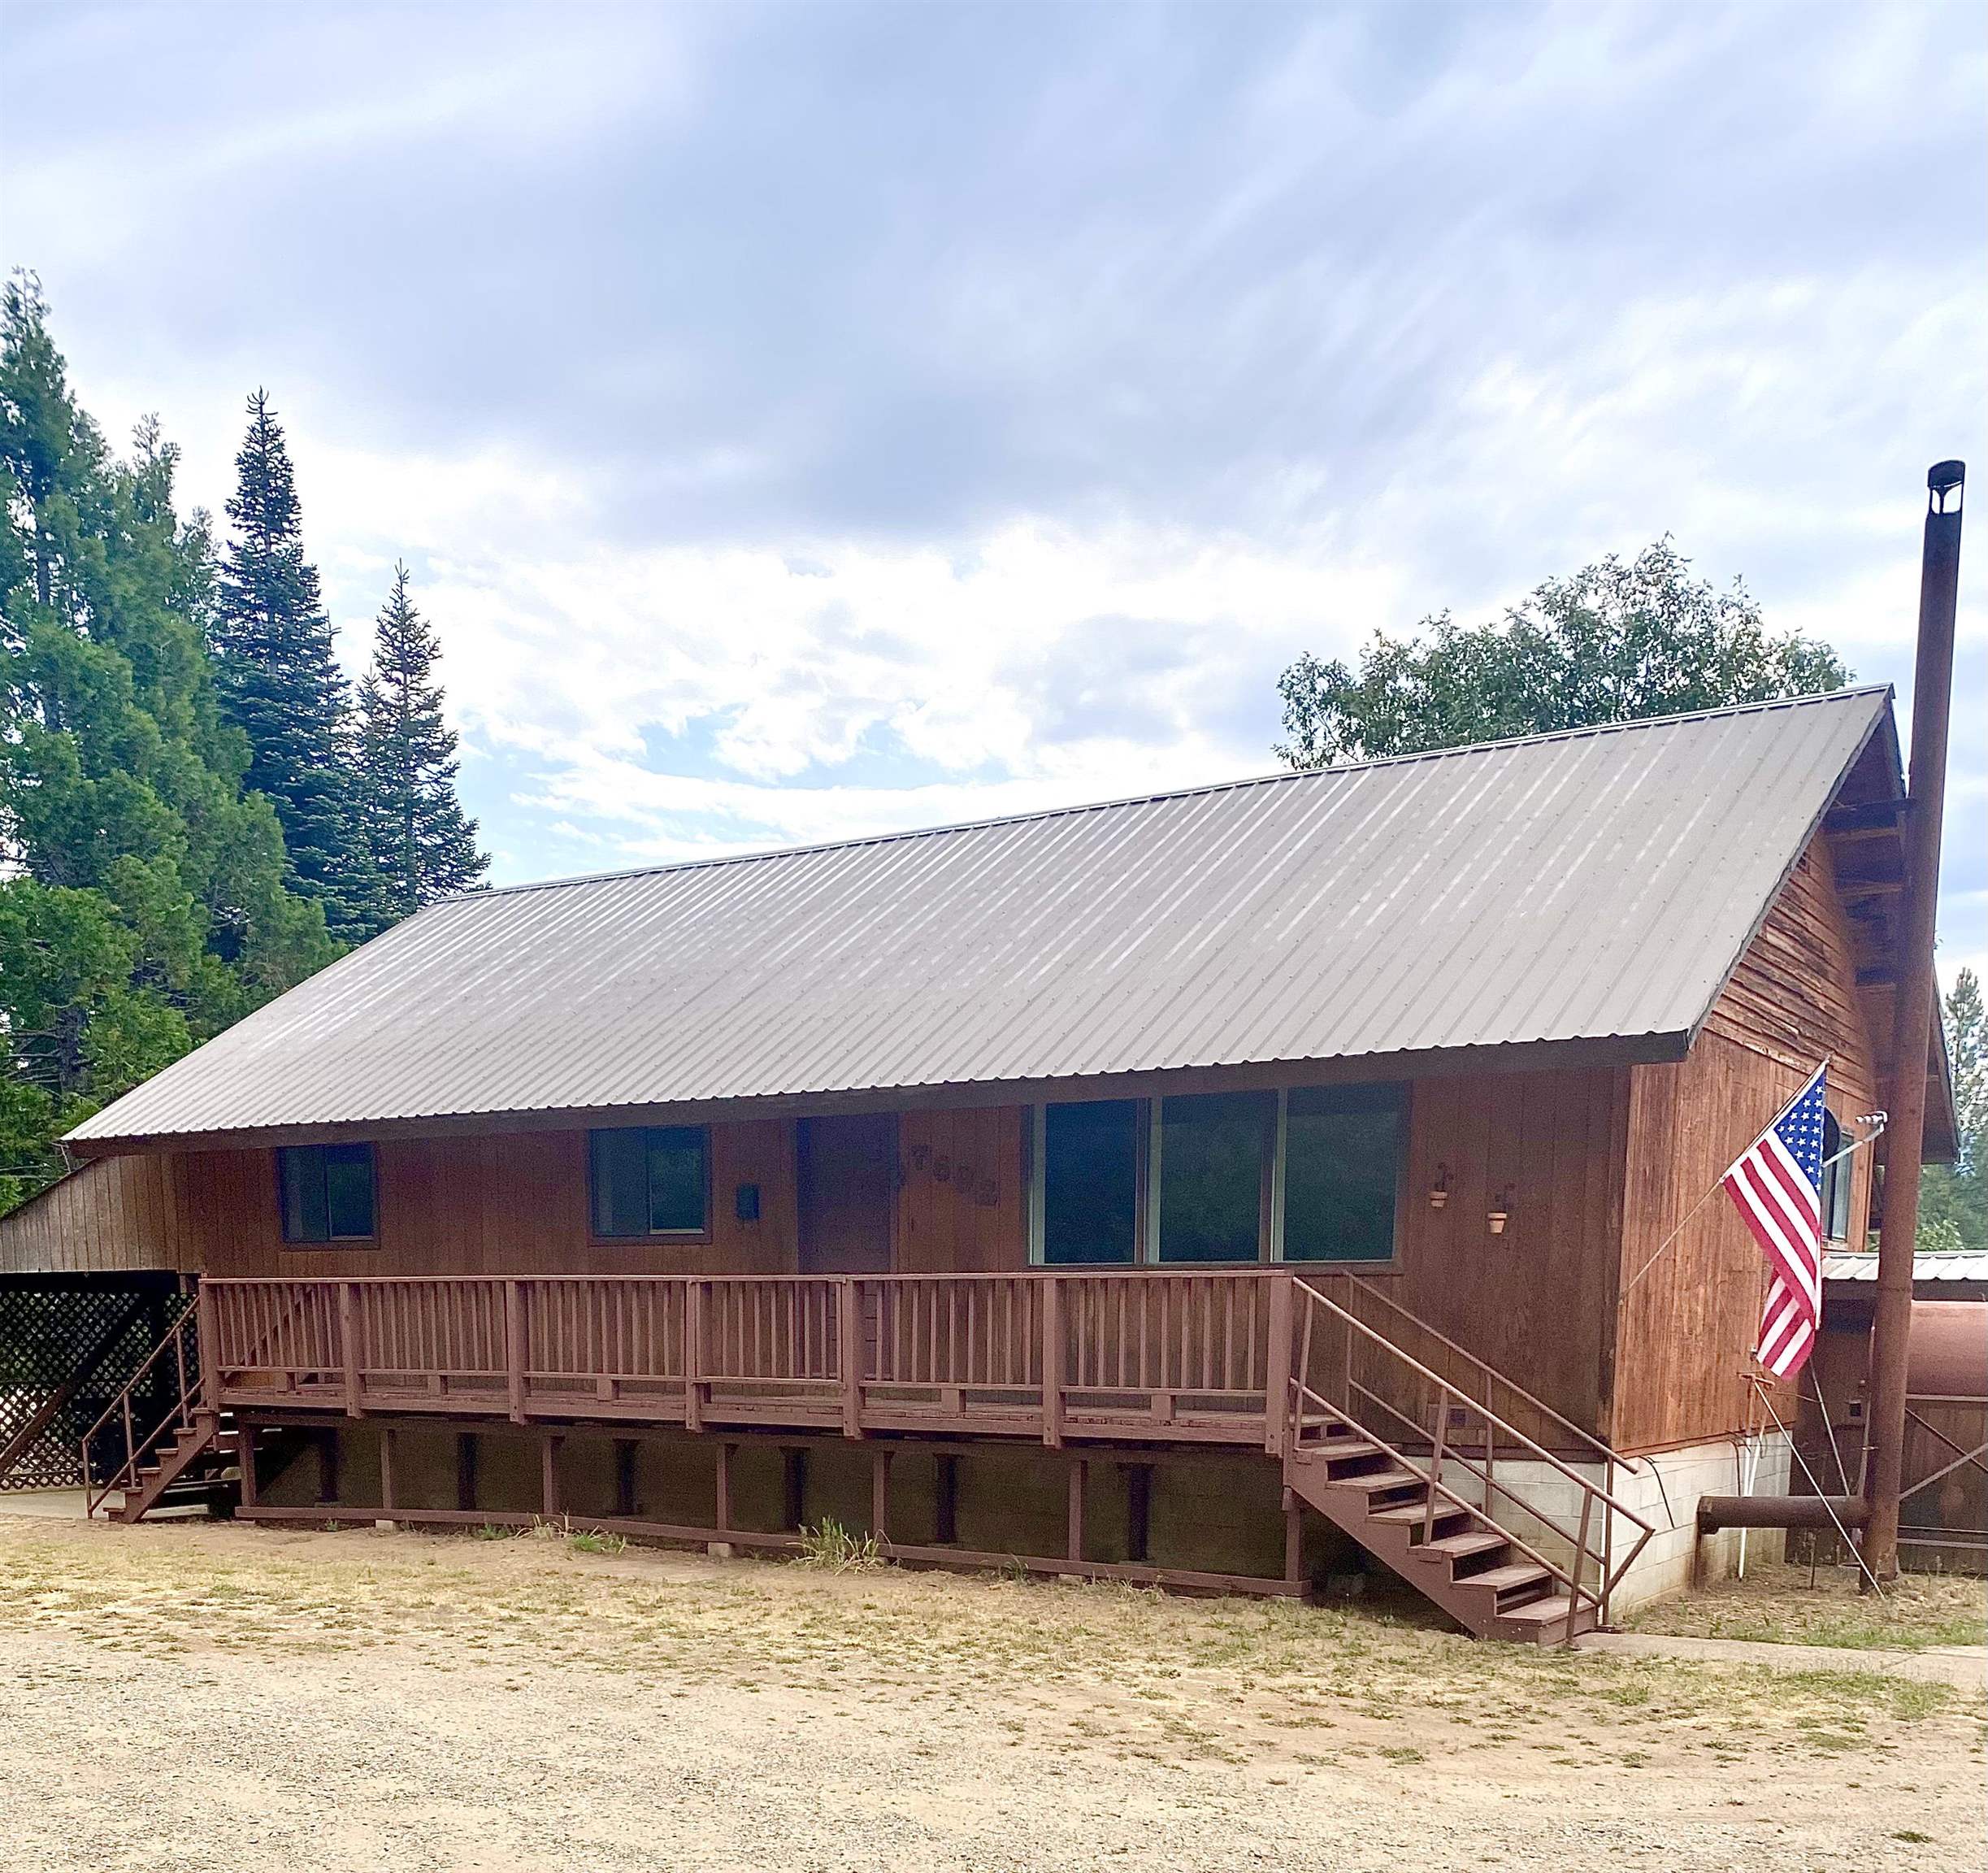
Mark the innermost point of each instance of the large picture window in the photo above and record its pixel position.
(650, 1181)
(326, 1192)
(1342, 1168)
(1090, 1182)
(1215, 1152)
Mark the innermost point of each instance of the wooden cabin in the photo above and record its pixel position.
(1243, 1188)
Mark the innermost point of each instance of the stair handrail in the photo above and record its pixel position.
(1607, 1577)
(179, 1414)
(1491, 1372)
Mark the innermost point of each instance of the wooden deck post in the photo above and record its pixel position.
(389, 1493)
(514, 1348)
(1277, 1374)
(849, 1351)
(244, 1447)
(624, 1477)
(880, 1490)
(466, 1469)
(694, 1328)
(1052, 1362)
(794, 1487)
(723, 1504)
(1294, 1538)
(348, 1342)
(206, 1324)
(946, 1502)
(1080, 1473)
(548, 1473)
(1137, 1511)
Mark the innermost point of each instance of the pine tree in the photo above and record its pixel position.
(281, 683)
(1953, 1198)
(142, 905)
(421, 843)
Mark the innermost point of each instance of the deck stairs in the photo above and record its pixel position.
(1457, 1556)
(138, 1460)
(1428, 1463)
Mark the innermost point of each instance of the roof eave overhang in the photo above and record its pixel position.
(1527, 1056)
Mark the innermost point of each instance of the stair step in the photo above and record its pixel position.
(1551, 1611)
(1504, 1579)
(1459, 1547)
(1414, 1512)
(1340, 1449)
(1375, 1481)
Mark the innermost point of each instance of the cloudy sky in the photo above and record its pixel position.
(827, 419)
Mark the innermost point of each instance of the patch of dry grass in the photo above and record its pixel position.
(1776, 1603)
(1104, 1665)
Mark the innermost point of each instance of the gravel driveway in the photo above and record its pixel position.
(202, 1695)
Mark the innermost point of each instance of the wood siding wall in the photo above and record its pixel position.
(111, 1213)
(1685, 1329)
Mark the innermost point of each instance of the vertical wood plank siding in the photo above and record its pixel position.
(1686, 1330)
(112, 1214)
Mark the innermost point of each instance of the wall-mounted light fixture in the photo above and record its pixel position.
(1500, 1210)
(1439, 1191)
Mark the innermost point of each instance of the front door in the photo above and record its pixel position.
(847, 1173)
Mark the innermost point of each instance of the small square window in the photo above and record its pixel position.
(650, 1180)
(326, 1192)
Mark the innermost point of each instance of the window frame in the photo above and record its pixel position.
(1839, 1189)
(285, 1158)
(1151, 1170)
(690, 1238)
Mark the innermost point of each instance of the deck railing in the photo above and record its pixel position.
(1180, 1355)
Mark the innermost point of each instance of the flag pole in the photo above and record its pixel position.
(1914, 1015)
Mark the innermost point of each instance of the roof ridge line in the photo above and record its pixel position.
(1284, 775)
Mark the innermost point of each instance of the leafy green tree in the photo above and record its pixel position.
(422, 844)
(1618, 641)
(1953, 1198)
(142, 905)
(282, 685)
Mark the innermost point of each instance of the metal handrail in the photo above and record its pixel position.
(1491, 1373)
(1592, 1491)
(177, 1414)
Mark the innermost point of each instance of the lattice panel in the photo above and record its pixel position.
(45, 1329)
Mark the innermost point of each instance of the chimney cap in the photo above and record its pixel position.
(1942, 476)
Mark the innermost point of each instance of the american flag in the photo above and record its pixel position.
(1776, 1183)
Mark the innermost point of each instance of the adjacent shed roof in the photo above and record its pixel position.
(1596, 885)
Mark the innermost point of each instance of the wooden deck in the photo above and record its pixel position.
(1050, 1356)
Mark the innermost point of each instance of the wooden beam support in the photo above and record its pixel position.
(1079, 1475)
(724, 1487)
(946, 1501)
(880, 1490)
(389, 1494)
(1864, 821)
(794, 1487)
(515, 1350)
(549, 1474)
(1294, 1540)
(466, 1469)
(245, 1433)
(1052, 1362)
(1137, 1511)
(624, 1477)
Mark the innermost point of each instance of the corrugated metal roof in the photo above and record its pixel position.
(1600, 883)
(1961, 1265)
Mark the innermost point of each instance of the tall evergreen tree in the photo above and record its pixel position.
(281, 683)
(142, 905)
(421, 843)
(1953, 1198)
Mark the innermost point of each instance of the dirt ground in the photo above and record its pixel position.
(1791, 1604)
(202, 1695)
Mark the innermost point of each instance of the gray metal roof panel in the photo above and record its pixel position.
(1596, 884)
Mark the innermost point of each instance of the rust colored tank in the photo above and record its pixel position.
(1949, 1355)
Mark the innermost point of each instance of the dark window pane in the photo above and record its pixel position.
(1211, 1175)
(677, 1179)
(348, 1191)
(620, 1169)
(300, 1176)
(1090, 1181)
(1342, 1155)
(1835, 1181)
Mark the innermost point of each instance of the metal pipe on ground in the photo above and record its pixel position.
(1717, 1512)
